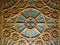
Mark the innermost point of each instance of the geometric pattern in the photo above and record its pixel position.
(30, 22)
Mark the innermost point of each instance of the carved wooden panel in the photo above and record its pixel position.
(30, 22)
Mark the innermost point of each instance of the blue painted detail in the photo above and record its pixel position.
(20, 28)
(34, 13)
(30, 43)
(49, 3)
(32, 5)
(46, 0)
(41, 20)
(49, 43)
(48, 20)
(40, 17)
(20, 19)
(28, 24)
(14, 0)
(53, 25)
(26, 13)
(26, 33)
(31, 1)
(12, 3)
(32, 21)
(20, 25)
(40, 27)
(35, 33)
(9, 41)
(48, 25)
(5, 40)
(56, 40)
(55, 6)
(6, 5)
(32, 24)
(28, 21)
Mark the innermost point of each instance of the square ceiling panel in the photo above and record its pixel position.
(29, 22)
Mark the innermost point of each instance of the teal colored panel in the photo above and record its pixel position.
(49, 3)
(35, 33)
(20, 27)
(48, 20)
(56, 40)
(32, 21)
(49, 43)
(32, 24)
(26, 13)
(6, 5)
(31, 1)
(5, 40)
(10, 3)
(34, 13)
(26, 33)
(56, 6)
(11, 43)
(48, 25)
(41, 20)
(28, 24)
(40, 17)
(46, 0)
(40, 27)
(20, 19)
(28, 21)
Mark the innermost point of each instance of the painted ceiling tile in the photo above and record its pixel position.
(30, 22)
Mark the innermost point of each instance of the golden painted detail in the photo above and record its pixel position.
(52, 3)
(30, 22)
